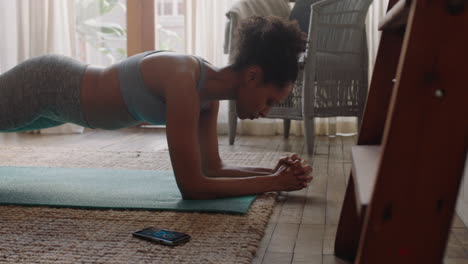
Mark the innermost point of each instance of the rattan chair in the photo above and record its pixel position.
(333, 79)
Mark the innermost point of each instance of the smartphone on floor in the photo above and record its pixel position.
(162, 236)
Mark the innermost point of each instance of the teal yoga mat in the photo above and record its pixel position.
(105, 189)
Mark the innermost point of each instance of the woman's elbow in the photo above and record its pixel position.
(196, 189)
(212, 171)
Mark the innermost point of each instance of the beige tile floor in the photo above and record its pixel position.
(303, 225)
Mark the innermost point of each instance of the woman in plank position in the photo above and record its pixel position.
(181, 91)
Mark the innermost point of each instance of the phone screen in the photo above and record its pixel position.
(164, 236)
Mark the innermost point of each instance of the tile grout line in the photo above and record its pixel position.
(273, 231)
(326, 199)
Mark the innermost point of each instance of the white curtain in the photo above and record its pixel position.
(205, 24)
(205, 37)
(376, 11)
(9, 30)
(33, 28)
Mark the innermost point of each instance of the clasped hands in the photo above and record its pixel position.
(293, 173)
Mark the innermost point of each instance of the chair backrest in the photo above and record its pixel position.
(334, 81)
(338, 26)
(336, 63)
(301, 13)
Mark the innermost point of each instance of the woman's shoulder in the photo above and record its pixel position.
(170, 75)
(166, 59)
(163, 69)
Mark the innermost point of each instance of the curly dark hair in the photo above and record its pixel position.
(272, 43)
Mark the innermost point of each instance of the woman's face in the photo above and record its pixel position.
(256, 98)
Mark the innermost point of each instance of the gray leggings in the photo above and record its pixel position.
(41, 92)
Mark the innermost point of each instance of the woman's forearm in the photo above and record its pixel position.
(234, 171)
(212, 188)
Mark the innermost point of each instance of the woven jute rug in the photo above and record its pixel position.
(61, 235)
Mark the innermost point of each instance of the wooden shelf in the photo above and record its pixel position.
(410, 154)
(365, 160)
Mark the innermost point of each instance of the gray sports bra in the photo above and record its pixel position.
(142, 104)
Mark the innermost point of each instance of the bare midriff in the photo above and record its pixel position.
(101, 99)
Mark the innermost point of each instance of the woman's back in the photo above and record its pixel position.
(133, 90)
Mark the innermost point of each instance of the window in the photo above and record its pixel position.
(101, 31)
(170, 25)
(170, 7)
